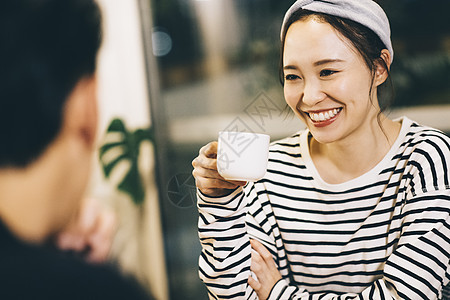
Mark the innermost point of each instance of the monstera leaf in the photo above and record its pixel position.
(127, 143)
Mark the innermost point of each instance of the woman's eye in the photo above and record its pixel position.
(291, 77)
(325, 73)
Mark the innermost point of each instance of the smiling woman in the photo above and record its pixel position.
(333, 89)
(353, 207)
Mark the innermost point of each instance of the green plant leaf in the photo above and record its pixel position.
(132, 185)
(108, 168)
(116, 125)
(129, 146)
(108, 146)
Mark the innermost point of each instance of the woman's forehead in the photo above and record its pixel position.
(311, 40)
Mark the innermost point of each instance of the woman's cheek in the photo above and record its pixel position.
(350, 87)
(292, 96)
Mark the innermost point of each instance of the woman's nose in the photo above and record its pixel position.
(312, 94)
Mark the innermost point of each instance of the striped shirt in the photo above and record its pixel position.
(383, 235)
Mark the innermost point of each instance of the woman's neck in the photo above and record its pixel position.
(355, 155)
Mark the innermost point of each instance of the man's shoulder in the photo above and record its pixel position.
(39, 273)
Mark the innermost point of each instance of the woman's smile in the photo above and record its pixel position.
(321, 118)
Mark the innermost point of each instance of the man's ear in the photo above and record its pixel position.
(382, 69)
(80, 113)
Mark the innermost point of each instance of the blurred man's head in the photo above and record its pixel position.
(48, 113)
(46, 47)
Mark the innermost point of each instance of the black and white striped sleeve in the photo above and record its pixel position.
(224, 264)
(225, 230)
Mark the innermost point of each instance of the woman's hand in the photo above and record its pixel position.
(207, 178)
(91, 233)
(265, 270)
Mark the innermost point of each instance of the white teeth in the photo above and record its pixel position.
(323, 116)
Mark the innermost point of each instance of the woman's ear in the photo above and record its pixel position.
(382, 67)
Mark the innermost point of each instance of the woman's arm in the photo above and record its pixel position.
(224, 264)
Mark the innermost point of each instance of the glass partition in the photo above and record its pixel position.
(213, 65)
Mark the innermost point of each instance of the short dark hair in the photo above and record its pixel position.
(363, 39)
(47, 46)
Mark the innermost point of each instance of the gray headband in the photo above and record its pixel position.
(364, 12)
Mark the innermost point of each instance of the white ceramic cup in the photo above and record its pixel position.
(242, 156)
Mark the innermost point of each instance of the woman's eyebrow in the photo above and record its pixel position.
(327, 61)
(316, 64)
(290, 67)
